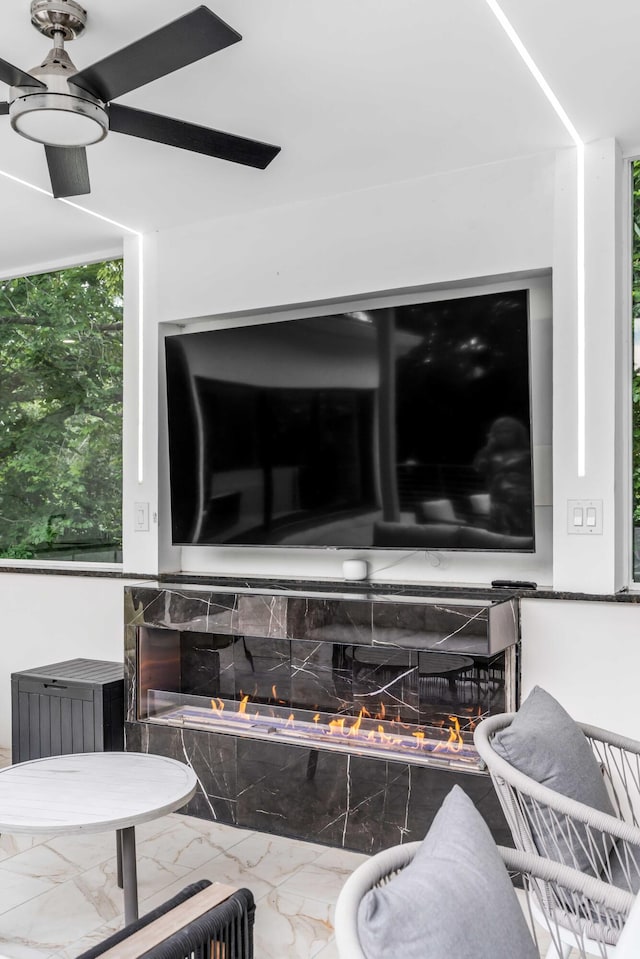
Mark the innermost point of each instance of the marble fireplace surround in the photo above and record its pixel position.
(350, 800)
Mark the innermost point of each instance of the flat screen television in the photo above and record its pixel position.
(402, 427)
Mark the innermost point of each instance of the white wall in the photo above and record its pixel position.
(505, 218)
(597, 563)
(587, 655)
(480, 222)
(49, 619)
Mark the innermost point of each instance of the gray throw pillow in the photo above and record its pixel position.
(455, 899)
(545, 743)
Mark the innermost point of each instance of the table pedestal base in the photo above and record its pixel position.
(127, 871)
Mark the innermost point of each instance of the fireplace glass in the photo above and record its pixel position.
(417, 705)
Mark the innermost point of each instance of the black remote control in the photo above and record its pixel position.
(513, 584)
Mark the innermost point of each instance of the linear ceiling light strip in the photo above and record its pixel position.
(580, 226)
(140, 358)
(127, 229)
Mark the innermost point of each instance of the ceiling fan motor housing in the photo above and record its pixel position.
(30, 109)
(65, 17)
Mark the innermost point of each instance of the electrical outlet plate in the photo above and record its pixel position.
(584, 517)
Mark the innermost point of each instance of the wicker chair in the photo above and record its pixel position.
(595, 905)
(547, 823)
(204, 921)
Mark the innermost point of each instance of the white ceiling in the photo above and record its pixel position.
(356, 93)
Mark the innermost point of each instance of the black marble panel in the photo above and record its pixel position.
(316, 681)
(291, 791)
(212, 758)
(348, 619)
(354, 802)
(330, 620)
(262, 615)
(200, 663)
(201, 611)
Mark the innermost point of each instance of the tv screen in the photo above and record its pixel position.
(405, 427)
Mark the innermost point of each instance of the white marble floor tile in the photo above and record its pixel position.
(16, 889)
(221, 869)
(185, 843)
(61, 858)
(12, 845)
(330, 951)
(272, 858)
(59, 897)
(93, 938)
(100, 888)
(74, 909)
(53, 921)
(291, 926)
(323, 878)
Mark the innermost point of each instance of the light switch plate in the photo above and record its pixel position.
(584, 517)
(141, 517)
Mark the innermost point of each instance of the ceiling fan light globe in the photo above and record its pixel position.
(58, 120)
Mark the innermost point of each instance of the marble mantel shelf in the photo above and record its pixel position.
(375, 590)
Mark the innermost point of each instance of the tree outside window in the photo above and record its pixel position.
(61, 414)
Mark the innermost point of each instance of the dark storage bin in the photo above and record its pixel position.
(71, 707)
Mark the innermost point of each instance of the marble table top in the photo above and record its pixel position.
(91, 792)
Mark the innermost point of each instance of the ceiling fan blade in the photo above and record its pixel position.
(15, 77)
(4, 108)
(185, 40)
(68, 170)
(188, 136)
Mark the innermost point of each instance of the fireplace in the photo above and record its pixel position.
(253, 683)
(407, 704)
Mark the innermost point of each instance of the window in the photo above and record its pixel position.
(61, 415)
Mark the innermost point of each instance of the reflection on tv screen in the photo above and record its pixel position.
(405, 427)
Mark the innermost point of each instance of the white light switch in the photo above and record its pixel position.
(141, 517)
(584, 516)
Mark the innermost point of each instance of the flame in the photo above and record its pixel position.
(390, 732)
(455, 741)
(353, 731)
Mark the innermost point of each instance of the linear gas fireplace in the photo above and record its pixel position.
(415, 705)
(252, 685)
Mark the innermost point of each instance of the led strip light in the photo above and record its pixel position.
(127, 229)
(580, 226)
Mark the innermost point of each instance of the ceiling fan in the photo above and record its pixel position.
(67, 110)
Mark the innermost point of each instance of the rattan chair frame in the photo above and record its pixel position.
(595, 904)
(547, 823)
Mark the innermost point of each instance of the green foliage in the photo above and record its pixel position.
(61, 409)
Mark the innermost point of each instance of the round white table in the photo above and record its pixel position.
(95, 792)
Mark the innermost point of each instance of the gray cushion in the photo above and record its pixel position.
(455, 899)
(545, 743)
(627, 876)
